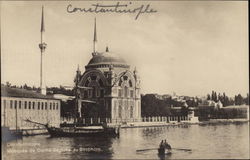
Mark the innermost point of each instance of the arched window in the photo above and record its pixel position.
(120, 112)
(126, 91)
(131, 111)
(130, 83)
(131, 93)
(120, 83)
(100, 83)
(119, 92)
(87, 83)
(29, 105)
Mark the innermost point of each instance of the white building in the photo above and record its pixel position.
(18, 105)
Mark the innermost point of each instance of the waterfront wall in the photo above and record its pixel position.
(15, 110)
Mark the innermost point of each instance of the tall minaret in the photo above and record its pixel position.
(42, 47)
(95, 40)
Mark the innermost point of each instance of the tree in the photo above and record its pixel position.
(208, 97)
(215, 97)
(238, 99)
(247, 99)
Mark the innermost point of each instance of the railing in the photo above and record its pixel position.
(99, 120)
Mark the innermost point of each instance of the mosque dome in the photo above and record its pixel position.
(106, 58)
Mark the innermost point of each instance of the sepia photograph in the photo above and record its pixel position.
(139, 79)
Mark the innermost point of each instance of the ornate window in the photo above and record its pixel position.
(119, 92)
(130, 83)
(102, 93)
(120, 112)
(90, 93)
(97, 92)
(131, 93)
(85, 94)
(131, 111)
(126, 91)
(120, 83)
(100, 83)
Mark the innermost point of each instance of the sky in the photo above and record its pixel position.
(186, 47)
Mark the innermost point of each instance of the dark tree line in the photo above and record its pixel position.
(226, 101)
(152, 106)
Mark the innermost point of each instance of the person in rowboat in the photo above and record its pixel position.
(167, 146)
(161, 149)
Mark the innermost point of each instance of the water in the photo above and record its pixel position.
(210, 141)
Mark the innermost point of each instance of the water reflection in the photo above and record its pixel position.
(210, 141)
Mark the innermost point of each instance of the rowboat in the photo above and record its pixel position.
(163, 151)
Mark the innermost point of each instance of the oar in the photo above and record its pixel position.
(141, 150)
(182, 149)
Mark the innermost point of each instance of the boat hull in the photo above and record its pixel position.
(163, 151)
(59, 132)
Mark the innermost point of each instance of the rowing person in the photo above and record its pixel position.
(167, 146)
(161, 149)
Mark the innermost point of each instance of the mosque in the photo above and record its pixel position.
(109, 88)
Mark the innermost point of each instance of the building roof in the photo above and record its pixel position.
(106, 58)
(22, 93)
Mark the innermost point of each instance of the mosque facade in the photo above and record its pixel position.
(109, 88)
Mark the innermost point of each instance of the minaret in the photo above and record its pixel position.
(95, 40)
(42, 47)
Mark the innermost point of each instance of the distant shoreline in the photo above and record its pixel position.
(184, 124)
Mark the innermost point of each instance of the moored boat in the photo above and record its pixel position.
(84, 131)
(102, 130)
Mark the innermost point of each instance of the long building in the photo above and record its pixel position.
(18, 105)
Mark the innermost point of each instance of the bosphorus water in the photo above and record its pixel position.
(228, 141)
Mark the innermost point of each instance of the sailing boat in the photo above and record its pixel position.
(76, 131)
